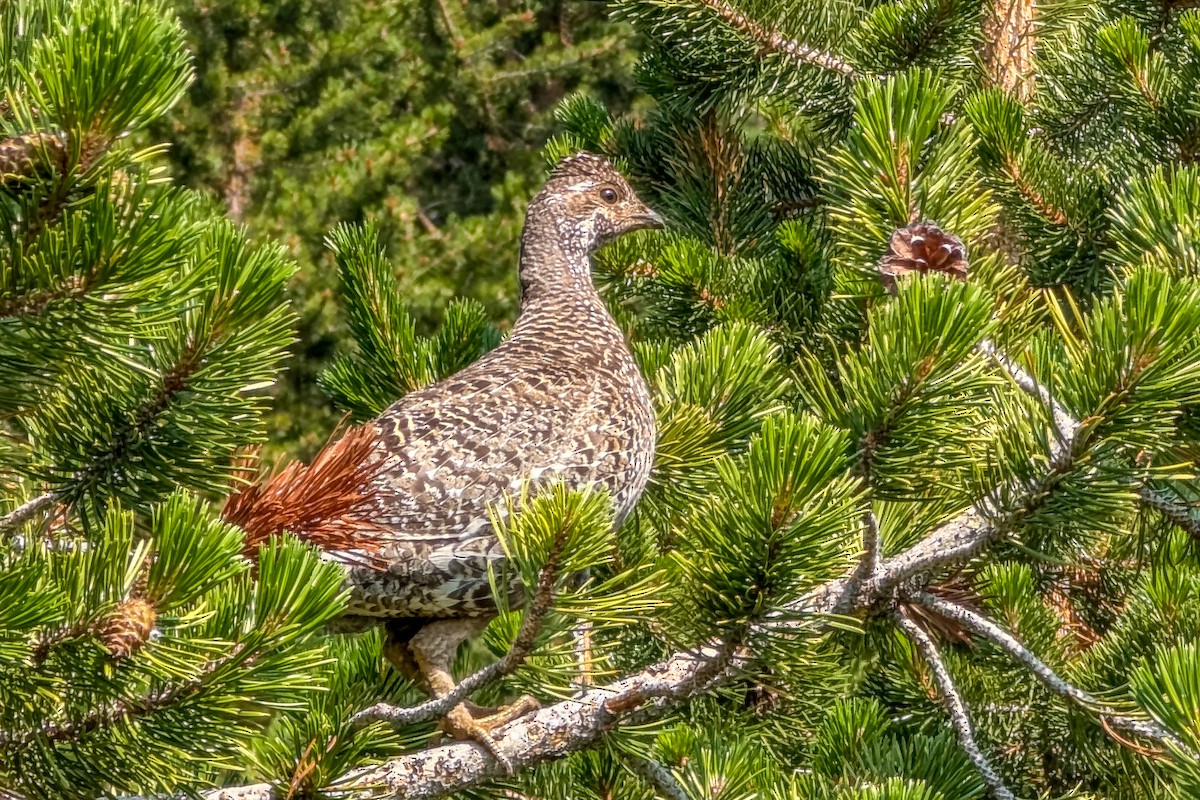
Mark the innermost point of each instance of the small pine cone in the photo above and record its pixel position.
(127, 627)
(922, 247)
(21, 157)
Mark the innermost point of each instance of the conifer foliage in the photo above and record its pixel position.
(923, 340)
(138, 329)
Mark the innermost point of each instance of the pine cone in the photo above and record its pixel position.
(922, 247)
(22, 156)
(127, 627)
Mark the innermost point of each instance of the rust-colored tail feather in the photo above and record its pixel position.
(327, 502)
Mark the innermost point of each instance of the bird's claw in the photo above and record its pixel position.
(462, 725)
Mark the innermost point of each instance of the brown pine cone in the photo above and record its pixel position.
(21, 157)
(127, 627)
(922, 247)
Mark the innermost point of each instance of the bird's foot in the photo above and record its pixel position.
(477, 723)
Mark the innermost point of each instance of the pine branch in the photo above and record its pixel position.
(123, 710)
(657, 776)
(253, 791)
(775, 42)
(985, 628)
(972, 532)
(112, 455)
(1032, 196)
(960, 539)
(961, 720)
(1174, 509)
(22, 513)
(574, 724)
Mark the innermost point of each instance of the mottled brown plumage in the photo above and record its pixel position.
(561, 399)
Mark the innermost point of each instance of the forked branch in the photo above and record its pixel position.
(961, 720)
(984, 628)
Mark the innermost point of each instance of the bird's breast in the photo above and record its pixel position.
(530, 414)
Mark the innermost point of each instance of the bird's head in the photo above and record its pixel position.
(592, 204)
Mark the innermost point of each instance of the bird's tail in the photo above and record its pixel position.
(327, 503)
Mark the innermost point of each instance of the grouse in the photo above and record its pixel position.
(561, 399)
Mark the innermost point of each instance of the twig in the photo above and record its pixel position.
(985, 628)
(1064, 423)
(18, 516)
(658, 776)
(965, 536)
(1174, 509)
(432, 709)
(1179, 512)
(956, 707)
(872, 544)
(775, 42)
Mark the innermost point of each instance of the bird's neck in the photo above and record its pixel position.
(554, 267)
(556, 283)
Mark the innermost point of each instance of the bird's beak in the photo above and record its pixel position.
(647, 218)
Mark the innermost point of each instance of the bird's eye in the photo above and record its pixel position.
(608, 195)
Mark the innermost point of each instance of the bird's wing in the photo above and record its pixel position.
(451, 452)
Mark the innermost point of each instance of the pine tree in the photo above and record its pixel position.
(138, 329)
(923, 341)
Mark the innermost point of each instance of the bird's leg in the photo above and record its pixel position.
(433, 649)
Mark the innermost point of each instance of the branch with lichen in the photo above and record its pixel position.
(775, 42)
(960, 718)
(14, 519)
(986, 629)
(656, 776)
